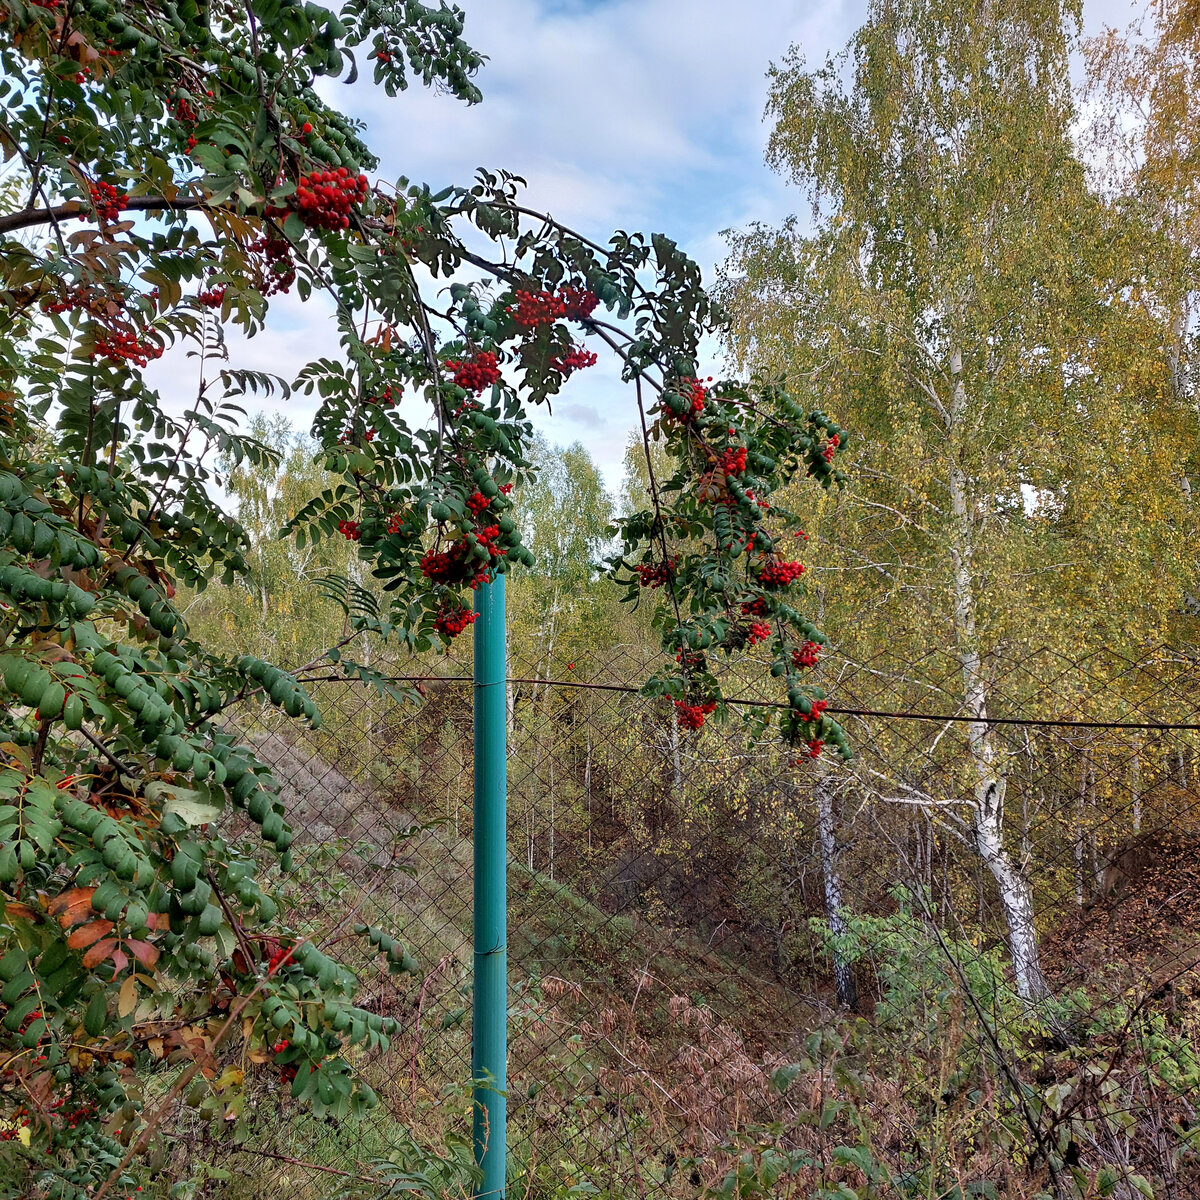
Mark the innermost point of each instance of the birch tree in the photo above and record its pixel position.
(961, 294)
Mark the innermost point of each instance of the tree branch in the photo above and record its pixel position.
(30, 217)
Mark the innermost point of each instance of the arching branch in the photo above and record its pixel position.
(29, 218)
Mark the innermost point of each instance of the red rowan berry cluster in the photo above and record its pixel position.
(452, 621)
(281, 956)
(36, 1015)
(477, 502)
(324, 198)
(212, 298)
(72, 1117)
(536, 308)
(777, 573)
(106, 201)
(70, 301)
(487, 539)
(578, 302)
(831, 448)
(758, 632)
(575, 359)
(183, 111)
(813, 750)
(696, 394)
(732, 462)
(506, 489)
(124, 345)
(456, 565)
(807, 655)
(350, 530)
(654, 575)
(395, 522)
(691, 716)
(277, 272)
(754, 608)
(476, 374)
(818, 708)
(280, 1046)
(386, 399)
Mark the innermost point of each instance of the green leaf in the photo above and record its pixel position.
(193, 806)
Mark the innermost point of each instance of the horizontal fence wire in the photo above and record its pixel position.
(691, 914)
(840, 710)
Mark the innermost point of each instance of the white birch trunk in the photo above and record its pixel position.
(1079, 799)
(835, 908)
(587, 785)
(676, 760)
(1016, 896)
(1135, 784)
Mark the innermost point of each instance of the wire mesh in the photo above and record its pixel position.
(674, 939)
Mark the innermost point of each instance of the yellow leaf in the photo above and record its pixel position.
(230, 1077)
(127, 997)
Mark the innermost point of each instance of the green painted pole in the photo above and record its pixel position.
(489, 1023)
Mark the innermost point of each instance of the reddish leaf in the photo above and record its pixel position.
(99, 952)
(22, 912)
(71, 906)
(158, 920)
(85, 935)
(144, 952)
(120, 960)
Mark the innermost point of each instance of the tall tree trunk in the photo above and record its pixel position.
(676, 760)
(1135, 783)
(835, 907)
(1079, 835)
(529, 835)
(587, 784)
(1016, 896)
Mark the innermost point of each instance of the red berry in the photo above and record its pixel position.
(575, 359)
(476, 374)
(807, 655)
(654, 575)
(777, 573)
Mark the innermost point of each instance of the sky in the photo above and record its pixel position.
(620, 114)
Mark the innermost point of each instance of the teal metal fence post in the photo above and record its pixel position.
(489, 1024)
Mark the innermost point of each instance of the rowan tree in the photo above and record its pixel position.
(173, 169)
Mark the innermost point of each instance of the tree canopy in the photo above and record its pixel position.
(173, 169)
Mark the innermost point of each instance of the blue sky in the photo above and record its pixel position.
(634, 114)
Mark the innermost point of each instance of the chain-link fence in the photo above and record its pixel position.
(693, 913)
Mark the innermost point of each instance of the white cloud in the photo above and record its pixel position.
(637, 114)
